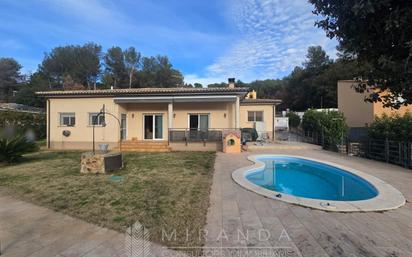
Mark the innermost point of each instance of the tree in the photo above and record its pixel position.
(115, 67)
(10, 76)
(378, 34)
(197, 85)
(316, 59)
(132, 62)
(294, 119)
(159, 72)
(81, 63)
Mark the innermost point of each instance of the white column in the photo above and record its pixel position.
(237, 113)
(170, 115)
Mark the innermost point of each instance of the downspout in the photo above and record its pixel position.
(273, 122)
(48, 123)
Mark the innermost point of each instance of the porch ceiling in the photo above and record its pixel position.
(175, 99)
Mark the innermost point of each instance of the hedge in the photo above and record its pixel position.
(330, 124)
(23, 122)
(294, 119)
(396, 127)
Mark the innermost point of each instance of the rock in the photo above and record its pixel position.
(100, 163)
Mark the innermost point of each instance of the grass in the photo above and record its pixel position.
(163, 191)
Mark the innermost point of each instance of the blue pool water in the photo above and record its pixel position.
(310, 179)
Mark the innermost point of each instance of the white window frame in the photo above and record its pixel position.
(254, 116)
(154, 125)
(198, 119)
(100, 119)
(123, 128)
(72, 119)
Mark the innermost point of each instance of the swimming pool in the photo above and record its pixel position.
(317, 184)
(310, 179)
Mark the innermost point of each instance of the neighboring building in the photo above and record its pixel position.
(358, 113)
(153, 118)
(281, 123)
(20, 108)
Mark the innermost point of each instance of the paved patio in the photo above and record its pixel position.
(237, 217)
(33, 231)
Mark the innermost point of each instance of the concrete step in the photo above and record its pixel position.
(144, 143)
(144, 147)
(146, 150)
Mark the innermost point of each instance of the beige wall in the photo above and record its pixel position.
(82, 132)
(357, 112)
(221, 115)
(379, 110)
(135, 118)
(268, 116)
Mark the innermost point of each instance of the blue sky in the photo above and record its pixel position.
(208, 40)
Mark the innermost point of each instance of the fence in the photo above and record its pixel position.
(295, 135)
(195, 135)
(395, 152)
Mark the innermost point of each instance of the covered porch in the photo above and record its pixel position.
(176, 123)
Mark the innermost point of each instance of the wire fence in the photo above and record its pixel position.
(385, 150)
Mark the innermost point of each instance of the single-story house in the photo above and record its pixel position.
(154, 119)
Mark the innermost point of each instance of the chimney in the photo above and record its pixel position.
(231, 82)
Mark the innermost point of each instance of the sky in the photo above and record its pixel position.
(207, 40)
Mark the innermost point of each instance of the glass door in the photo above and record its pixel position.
(198, 126)
(153, 127)
(123, 126)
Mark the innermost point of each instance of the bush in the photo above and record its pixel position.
(294, 119)
(329, 123)
(23, 122)
(396, 127)
(12, 149)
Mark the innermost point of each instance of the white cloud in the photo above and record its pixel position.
(274, 37)
(193, 78)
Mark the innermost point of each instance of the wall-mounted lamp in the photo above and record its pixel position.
(224, 115)
(132, 115)
(174, 115)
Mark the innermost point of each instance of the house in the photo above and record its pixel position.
(153, 119)
(358, 113)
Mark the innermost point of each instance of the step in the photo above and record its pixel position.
(145, 147)
(144, 143)
(147, 150)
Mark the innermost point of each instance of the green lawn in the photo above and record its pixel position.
(160, 190)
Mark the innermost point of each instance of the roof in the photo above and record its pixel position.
(261, 101)
(147, 91)
(20, 108)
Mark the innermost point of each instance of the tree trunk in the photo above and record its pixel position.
(130, 77)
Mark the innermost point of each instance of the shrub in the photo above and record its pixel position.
(12, 149)
(23, 122)
(329, 123)
(396, 127)
(294, 119)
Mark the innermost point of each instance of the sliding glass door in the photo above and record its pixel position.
(153, 126)
(199, 122)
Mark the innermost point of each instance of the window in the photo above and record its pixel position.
(94, 120)
(67, 119)
(199, 121)
(254, 116)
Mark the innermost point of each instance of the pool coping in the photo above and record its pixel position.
(388, 197)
